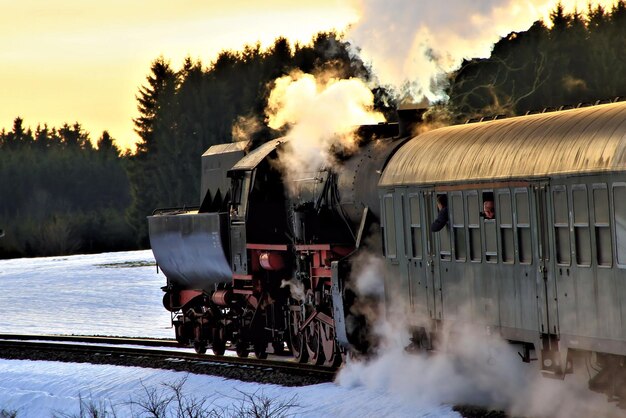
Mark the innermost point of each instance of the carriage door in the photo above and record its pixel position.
(437, 248)
(417, 264)
(403, 249)
(549, 210)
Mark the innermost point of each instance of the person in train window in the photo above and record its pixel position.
(442, 216)
(489, 210)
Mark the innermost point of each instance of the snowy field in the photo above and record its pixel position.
(118, 294)
(114, 294)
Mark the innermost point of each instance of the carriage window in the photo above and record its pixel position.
(602, 227)
(445, 252)
(491, 241)
(473, 225)
(506, 227)
(458, 227)
(523, 227)
(416, 226)
(491, 234)
(582, 237)
(390, 227)
(619, 211)
(561, 225)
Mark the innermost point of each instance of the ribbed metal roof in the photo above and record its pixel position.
(589, 139)
(225, 148)
(255, 157)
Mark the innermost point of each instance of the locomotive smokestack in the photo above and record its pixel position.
(409, 116)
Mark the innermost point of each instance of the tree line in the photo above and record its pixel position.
(59, 194)
(581, 58)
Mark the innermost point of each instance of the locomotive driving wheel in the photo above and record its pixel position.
(241, 348)
(279, 347)
(200, 347)
(297, 339)
(219, 342)
(260, 349)
(314, 344)
(332, 354)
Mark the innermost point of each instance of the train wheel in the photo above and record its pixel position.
(219, 344)
(314, 343)
(260, 350)
(242, 349)
(332, 354)
(297, 338)
(279, 347)
(200, 346)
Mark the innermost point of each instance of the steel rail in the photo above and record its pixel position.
(100, 348)
(147, 342)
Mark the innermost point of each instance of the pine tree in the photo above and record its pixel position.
(155, 102)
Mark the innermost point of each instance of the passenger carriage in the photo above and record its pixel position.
(550, 270)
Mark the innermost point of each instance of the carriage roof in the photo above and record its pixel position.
(581, 140)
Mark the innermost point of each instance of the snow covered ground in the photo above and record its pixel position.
(118, 294)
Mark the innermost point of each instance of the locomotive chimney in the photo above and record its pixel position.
(409, 116)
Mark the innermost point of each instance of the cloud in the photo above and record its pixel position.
(415, 42)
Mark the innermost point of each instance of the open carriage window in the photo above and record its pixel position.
(491, 234)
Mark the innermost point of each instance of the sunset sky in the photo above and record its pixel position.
(84, 61)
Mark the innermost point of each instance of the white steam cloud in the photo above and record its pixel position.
(296, 289)
(468, 368)
(321, 114)
(474, 370)
(369, 275)
(411, 43)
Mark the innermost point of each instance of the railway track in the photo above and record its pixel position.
(143, 352)
(154, 353)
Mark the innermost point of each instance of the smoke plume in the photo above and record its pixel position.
(245, 127)
(469, 367)
(410, 44)
(296, 289)
(320, 115)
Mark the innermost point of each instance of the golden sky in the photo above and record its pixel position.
(84, 60)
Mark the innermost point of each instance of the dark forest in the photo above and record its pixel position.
(63, 195)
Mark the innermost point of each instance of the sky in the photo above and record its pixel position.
(83, 61)
(118, 294)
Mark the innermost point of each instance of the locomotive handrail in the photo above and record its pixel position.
(174, 209)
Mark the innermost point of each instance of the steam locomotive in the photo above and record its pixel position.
(265, 270)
